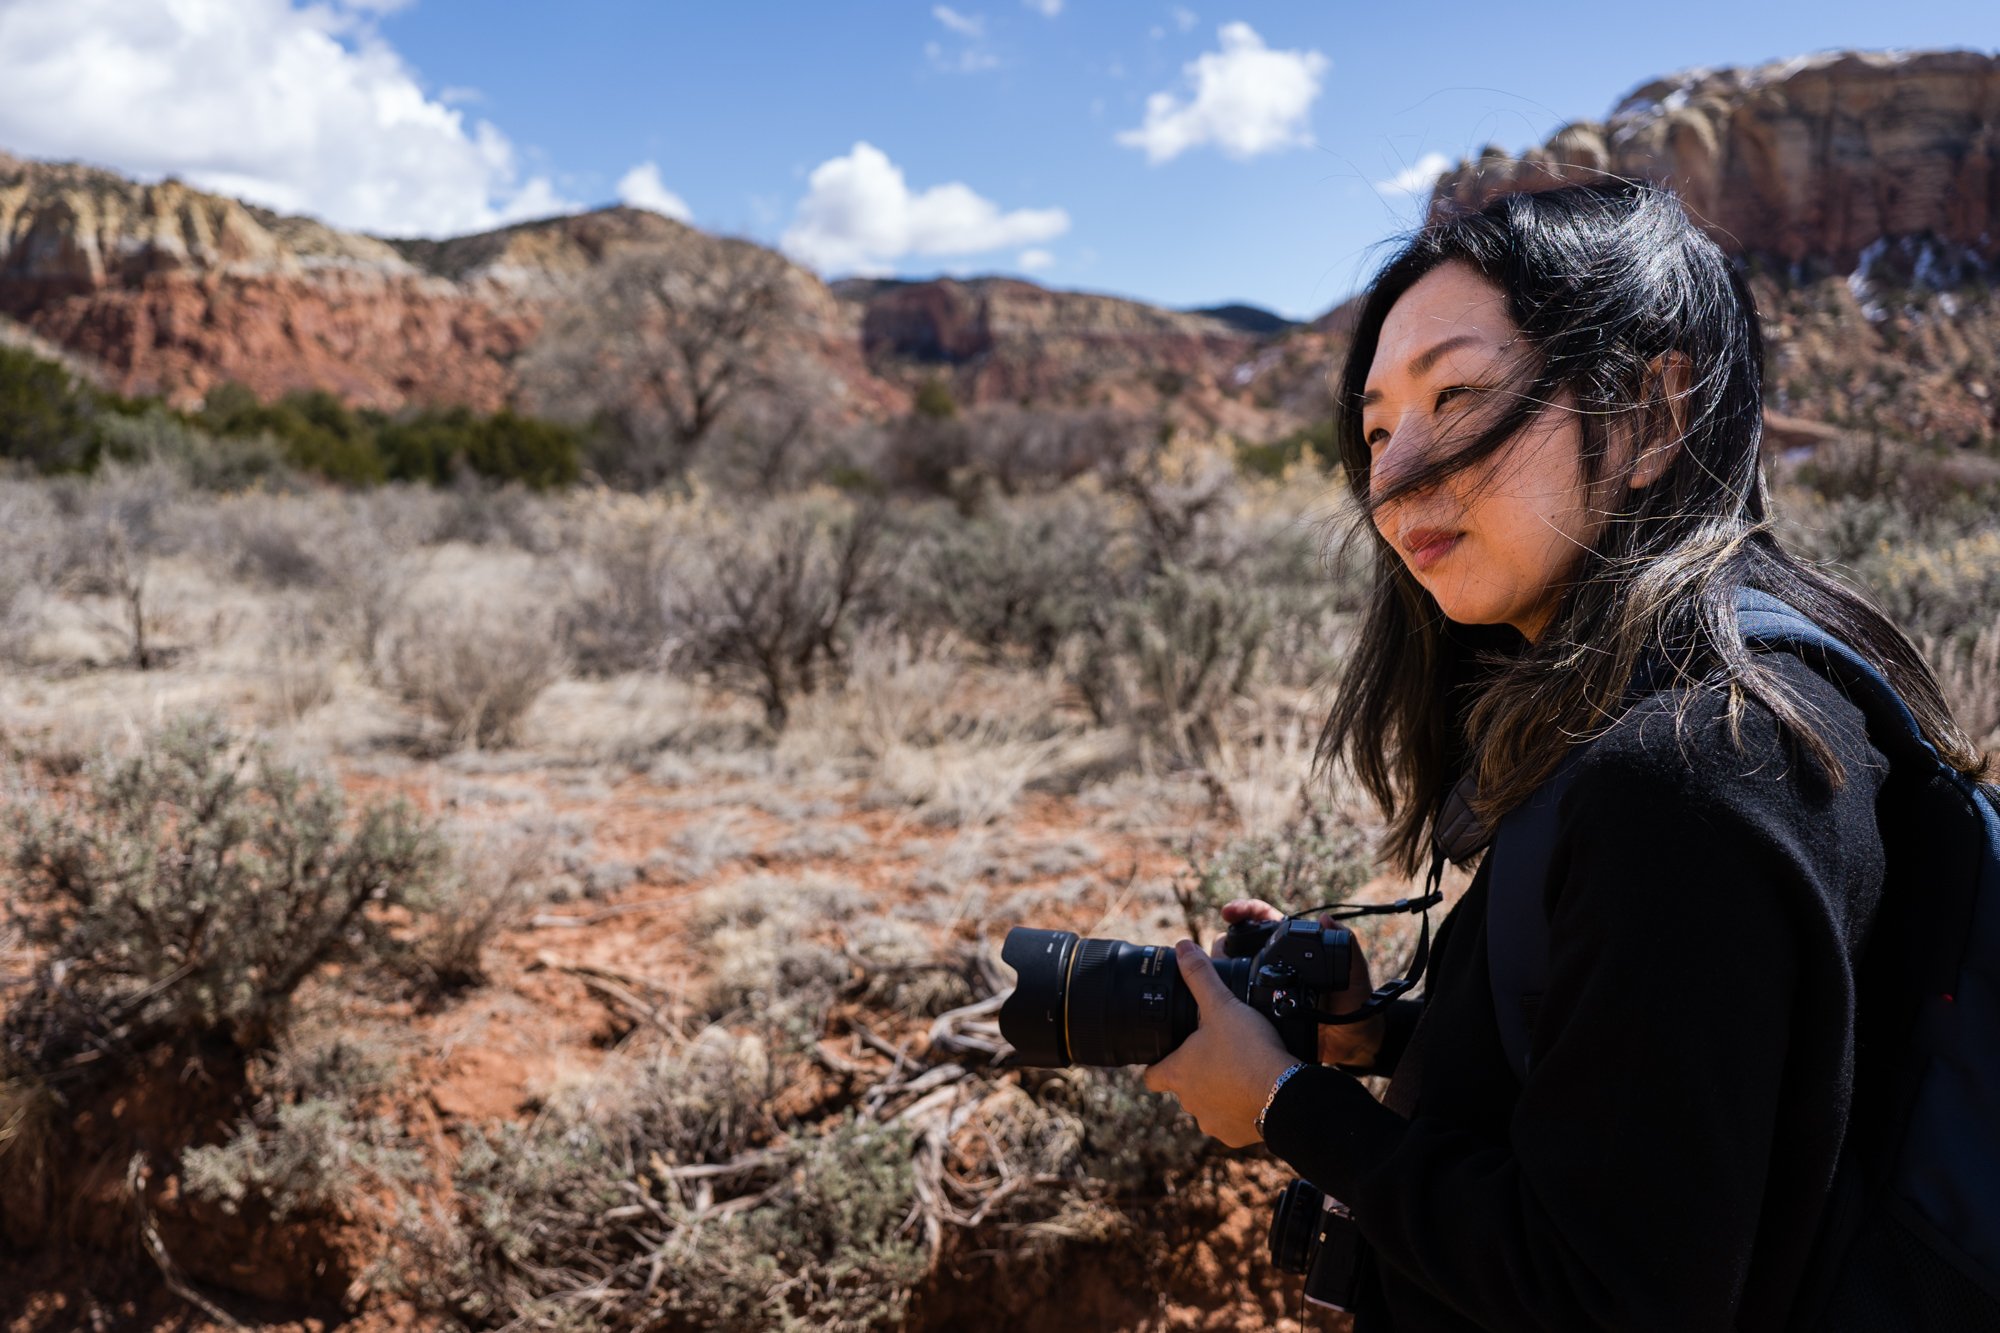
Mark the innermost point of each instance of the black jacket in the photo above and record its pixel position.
(1666, 1163)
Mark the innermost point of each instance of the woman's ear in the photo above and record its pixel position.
(1672, 375)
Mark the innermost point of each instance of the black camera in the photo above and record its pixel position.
(1314, 1235)
(1105, 1002)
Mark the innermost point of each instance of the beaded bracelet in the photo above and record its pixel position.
(1295, 1067)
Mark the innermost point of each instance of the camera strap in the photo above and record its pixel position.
(1389, 991)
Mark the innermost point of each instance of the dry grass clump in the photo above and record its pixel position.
(474, 668)
(957, 745)
(299, 656)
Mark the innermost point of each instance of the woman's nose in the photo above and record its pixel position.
(1403, 455)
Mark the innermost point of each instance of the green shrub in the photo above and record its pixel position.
(934, 400)
(45, 414)
(1272, 457)
(431, 446)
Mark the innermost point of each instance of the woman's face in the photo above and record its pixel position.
(1494, 543)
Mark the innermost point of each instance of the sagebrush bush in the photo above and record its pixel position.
(192, 888)
(314, 1156)
(1315, 859)
(548, 1228)
(474, 668)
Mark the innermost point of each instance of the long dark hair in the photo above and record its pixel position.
(1603, 280)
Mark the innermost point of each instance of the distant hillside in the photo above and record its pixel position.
(1862, 190)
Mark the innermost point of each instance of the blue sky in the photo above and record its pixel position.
(1000, 136)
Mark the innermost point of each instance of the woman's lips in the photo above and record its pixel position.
(1434, 548)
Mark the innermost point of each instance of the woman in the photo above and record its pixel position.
(1551, 413)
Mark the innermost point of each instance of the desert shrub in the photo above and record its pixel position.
(192, 888)
(1000, 447)
(474, 669)
(113, 526)
(31, 547)
(829, 1248)
(1167, 661)
(486, 885)
(1315, 859)
(307, 1145)
(934, 400)
(619, 564)
(765, 938)
(770, 596)
(1021, 574)
(314, 431)
(1969, 673)
(1310, 445)
(434, 445)
(298, 654)
(548, 1231)
(1945, 591)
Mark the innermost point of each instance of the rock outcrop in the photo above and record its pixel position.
(1809, 160)
(1862, 189)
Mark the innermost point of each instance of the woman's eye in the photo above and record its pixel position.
(1446, 393)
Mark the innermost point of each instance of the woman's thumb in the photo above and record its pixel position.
(1200, 975)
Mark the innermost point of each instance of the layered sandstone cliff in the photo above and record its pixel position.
(1803, 160)
(1862, 189)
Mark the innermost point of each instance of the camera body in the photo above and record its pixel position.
(1314, 1235)
(1105, 1002)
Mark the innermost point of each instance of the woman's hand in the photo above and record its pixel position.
(1341, 1043)
(1224, 1072)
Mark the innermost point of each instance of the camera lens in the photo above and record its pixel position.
(1099, 1002)
(1034, 1017)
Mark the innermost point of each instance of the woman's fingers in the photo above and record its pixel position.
(1249, 909)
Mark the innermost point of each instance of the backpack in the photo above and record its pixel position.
(1911, 1240)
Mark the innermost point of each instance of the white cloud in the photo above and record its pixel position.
(965, 25)
(859, 214)
(971, 60)
(1416, 177)
(304, 109)
(641, 187)
(1034, 261)
(1248, 99)
(1184, 18)
(1048, 9)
